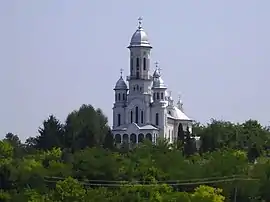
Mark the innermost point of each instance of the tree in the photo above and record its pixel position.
(69, 190)
(86, 127)
(15, 143)
(51, 134)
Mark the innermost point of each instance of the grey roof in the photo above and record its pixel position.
(121, 84)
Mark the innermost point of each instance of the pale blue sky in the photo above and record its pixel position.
(56, 55)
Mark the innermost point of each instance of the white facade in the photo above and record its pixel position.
(144, 108)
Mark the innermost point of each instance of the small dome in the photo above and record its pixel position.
(157, 80)
(121, 84)
(158, 83)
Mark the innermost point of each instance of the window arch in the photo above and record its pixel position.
(144, 63)
(142, 117)
(118, 119)
(137, 115)
(157, 117)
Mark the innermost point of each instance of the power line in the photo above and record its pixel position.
(119, 184)
(159, 181)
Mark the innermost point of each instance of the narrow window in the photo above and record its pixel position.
(137, 75)
(157, 96)
(119, 119)
(144, 63)
(157, 119)
(131, 117)
(124, 97)
(119, 96)
(161, 94)
(131, 64)
(141, 116)
(137, 62)
(137, 115)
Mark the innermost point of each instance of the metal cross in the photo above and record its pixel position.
(179, 96)
(121, 71)
(157, 67)
(140, 21)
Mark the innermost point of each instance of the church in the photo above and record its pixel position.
(144, 108)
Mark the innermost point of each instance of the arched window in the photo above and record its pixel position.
(137, 62)
(157, 121)
(118, 119)
(141, 116)
(119, 96)
(131, 116)
(137, 115)
(157, 96)
(144, 63)
(131, 64)
(161, 95)
(124, 96)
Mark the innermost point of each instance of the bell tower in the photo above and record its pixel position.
(140, 49)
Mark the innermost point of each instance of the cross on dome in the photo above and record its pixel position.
(179, 96)
(157, 67)
(121, 72)
(140, 22)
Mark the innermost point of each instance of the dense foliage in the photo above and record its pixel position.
(78, 162)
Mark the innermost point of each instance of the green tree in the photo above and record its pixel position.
(86, 127)
(69, 190)
(51, 134)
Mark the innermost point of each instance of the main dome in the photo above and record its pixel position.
(140, 38)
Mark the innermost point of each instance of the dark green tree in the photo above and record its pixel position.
(51, 134)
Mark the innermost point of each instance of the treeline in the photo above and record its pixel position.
(77, 161)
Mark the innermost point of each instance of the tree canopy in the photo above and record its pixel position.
(77, 161)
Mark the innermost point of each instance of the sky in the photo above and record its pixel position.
(57, 55)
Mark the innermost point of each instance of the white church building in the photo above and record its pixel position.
(144, 108)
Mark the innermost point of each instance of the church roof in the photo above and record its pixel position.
(176, 113)
(144, 127)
